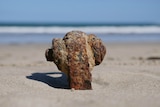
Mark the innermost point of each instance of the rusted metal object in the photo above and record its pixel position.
(76, 55)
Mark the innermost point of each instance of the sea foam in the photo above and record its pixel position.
(87, 29)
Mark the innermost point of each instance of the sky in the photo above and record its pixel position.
(80, 11)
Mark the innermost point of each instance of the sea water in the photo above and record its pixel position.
(44, 33)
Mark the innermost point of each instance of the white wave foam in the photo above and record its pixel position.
(93, 29)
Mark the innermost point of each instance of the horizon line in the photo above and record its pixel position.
(77, 24)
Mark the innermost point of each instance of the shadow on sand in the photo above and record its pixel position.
(53, 79)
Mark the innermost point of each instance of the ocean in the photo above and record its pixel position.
(44, 33)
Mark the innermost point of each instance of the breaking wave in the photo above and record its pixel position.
(87, 29)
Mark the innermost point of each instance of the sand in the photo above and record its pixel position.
(129, 76)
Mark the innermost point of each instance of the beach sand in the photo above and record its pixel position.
(129, 76)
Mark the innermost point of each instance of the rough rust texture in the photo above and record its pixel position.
(76, 55)
(98, 48)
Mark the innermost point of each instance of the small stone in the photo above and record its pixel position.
(76, 55)
(72, 89)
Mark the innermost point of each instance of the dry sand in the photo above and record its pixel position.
(126, 78)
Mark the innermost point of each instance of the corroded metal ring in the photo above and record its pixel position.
(76, 55)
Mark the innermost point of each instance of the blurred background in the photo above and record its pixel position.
(38, 21)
